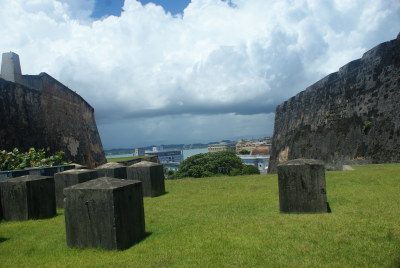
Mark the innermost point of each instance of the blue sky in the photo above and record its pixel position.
(114, 7)
(215, 72)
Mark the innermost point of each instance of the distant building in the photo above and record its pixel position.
(262, 150)
(157, 148)
(171, 166)
(253, 144)
(167, 156)
(259, 161)
(139, 151)
(244, 145)
(219, 147)
(268, 140)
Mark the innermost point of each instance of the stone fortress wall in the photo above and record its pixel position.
(349, 117)
(38, 111)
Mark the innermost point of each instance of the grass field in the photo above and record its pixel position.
(116, 159)
(235, 222)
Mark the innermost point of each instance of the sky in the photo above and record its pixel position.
(172, 72)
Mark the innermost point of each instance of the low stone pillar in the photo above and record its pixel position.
(1, 207)
(152, 176)
(112, 170)
(68, 178)
(302, 186)
(105, 212)
(79, 166)
(28, 197)
(4, 175)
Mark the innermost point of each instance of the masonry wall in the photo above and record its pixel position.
(349, 117)
(48, 115)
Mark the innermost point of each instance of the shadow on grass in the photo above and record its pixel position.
(3, 239)
(146, 235)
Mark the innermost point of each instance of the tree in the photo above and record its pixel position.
(244, 151)
(209, 164)
(249, 169)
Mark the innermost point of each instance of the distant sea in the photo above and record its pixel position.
(190, 152)
(186, 153)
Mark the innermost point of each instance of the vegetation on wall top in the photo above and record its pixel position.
(32, 158)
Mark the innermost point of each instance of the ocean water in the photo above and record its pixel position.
(189, 152)
(186, 153)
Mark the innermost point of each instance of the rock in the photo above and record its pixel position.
(347, 167)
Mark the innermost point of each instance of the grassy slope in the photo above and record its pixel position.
(235, 222)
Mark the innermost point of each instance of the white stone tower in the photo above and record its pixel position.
(11, 68)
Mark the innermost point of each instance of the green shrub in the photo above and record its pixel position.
(249, 169)
(235, 172)
(32, 158)
(245, 170)
(209, 164)
(244, 152)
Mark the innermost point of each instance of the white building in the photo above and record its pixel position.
(259, 161)
(223, 146)
(138, 152)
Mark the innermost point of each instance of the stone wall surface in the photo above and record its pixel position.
(349, 117)
(41, 112)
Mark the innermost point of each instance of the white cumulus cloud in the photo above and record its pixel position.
(218, 60)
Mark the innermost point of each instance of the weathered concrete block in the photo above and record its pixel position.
(152, 176)
(68, 178)
(4, 175)
(79, 166)
(105, 212)
(1, 207)
(112, 169)
(48, 171)
(302, 186)
(28, 197)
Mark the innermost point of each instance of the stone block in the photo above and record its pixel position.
(112, 169)
(79, 166)
(68, 178)
(48, 171)
(1, 207)
(152, 176)
(105, 212)
(6, 174)
(34, 171)
(28, 197)
(302, 187)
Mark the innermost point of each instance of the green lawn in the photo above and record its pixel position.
(235, 222)
(117, 159)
